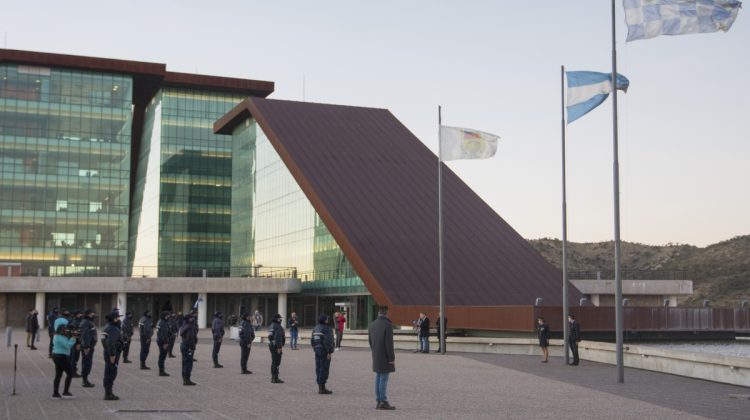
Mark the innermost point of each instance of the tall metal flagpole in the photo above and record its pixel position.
(441, 315)
(564, 220)
(616, 181)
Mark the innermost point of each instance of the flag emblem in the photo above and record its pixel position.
(462, 143)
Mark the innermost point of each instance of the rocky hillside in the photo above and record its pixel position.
(720, 272)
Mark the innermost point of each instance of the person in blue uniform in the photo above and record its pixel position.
(88, 342)
(276, 340)
(247, 335)
(189, 333)
(217, 331)
(112, 343)
(163, 334)
(145, 330)
(127, 335)
(323, 345)
(574, 338)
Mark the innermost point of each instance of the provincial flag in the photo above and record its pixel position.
(588, 89)
(651, 18)
(464, 143)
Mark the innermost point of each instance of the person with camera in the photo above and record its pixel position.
(112, 342)
(189, 334)
(88, 342)
(163, 334)
(247, 335)
(127, 335)
(276, 339)
(63, 340)
(323, 345)
(145, 330)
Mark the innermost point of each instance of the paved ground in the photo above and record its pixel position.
(424, 386)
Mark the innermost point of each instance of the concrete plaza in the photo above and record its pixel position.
(454, 386)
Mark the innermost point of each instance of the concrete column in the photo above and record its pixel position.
(253, 304)
(282, 307)
(122, 303)
(40, 306)
(187, 303)
(202, 308)
(673, 301)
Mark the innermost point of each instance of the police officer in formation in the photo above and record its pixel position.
(323, 345)
(173, 328)
(247, 335)
(112, 343)
(88, 342)
(163, 335)
(75, 351)
(146, 330)
(217, 329)
(276, 339)
(189, 334)
(127, 335)
(51, 317)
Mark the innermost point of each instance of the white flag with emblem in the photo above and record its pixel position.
(464, 143)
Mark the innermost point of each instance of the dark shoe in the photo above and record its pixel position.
(544, 361)
(144, 367)
(216, 365)
(67, 395)
(385, 406)
(246, 372)
(33, 348)
(172, 356)
(275, 380)
(322, 389)
(163, 373)
(56, 396)
(126, 361)
(194, 359)
(111, 397)
(87, 384)
(188, 382)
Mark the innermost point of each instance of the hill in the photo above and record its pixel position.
(720, 272)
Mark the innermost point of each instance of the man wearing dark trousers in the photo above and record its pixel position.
(127, 336)
(75, 352)
(276, 340)
(188, 332)
(217, 330)
(32, 328)
(380, 337)
(88, 342)
(51, 317)
(247, 335)
(173, 328)
(323, 345)
(574, 338)
(112, 346)
(162, 341)
(145, 330)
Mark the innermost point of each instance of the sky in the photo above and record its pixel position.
(492, 66)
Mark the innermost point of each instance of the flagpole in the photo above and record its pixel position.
(616, 182)
(564, 220)
(441, 315)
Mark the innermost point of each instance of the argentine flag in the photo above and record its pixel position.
(588, 89)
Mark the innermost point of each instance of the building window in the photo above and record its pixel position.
(95, 206)
(62, 205)
(63, 239)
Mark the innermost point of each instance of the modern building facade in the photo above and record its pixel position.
(126, 185)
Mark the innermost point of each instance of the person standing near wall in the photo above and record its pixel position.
(217, 330)
(574, 338)
(340, 321)
(543, 333)
(51, 318)
(127, 335)
(247, 335)
(145, 330)
(293, 331)
(88, 342)
(380, 337)
(424, 333)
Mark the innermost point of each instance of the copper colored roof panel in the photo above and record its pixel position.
(374, 185)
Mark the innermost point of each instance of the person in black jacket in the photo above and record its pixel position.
(127, 336)
(424, 333)
(88, 342)
(441, 326)
(543, 333)
(188, 332)
(217, 330)
(32, 327)
(276, 340)
(247, 335)
(145, 330)
(51, 317)
(174, 326)
(574, 338)
(75, 351)
(323, 345)
(112, 341)
(163, 334)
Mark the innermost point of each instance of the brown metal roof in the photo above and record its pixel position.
(374, 184)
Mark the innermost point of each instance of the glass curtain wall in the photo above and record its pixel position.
(188, 229)
(64, 169)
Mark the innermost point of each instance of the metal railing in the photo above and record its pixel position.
(627, 274)
(152, 271)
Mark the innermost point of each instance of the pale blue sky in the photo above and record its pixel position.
(493, 66)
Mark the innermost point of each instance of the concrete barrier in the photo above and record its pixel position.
(711, 367)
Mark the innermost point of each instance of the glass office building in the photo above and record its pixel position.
(274, 224)
(64, 169)
(181, 214)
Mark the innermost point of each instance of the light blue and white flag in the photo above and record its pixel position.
(588, 89)
(651, 18)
